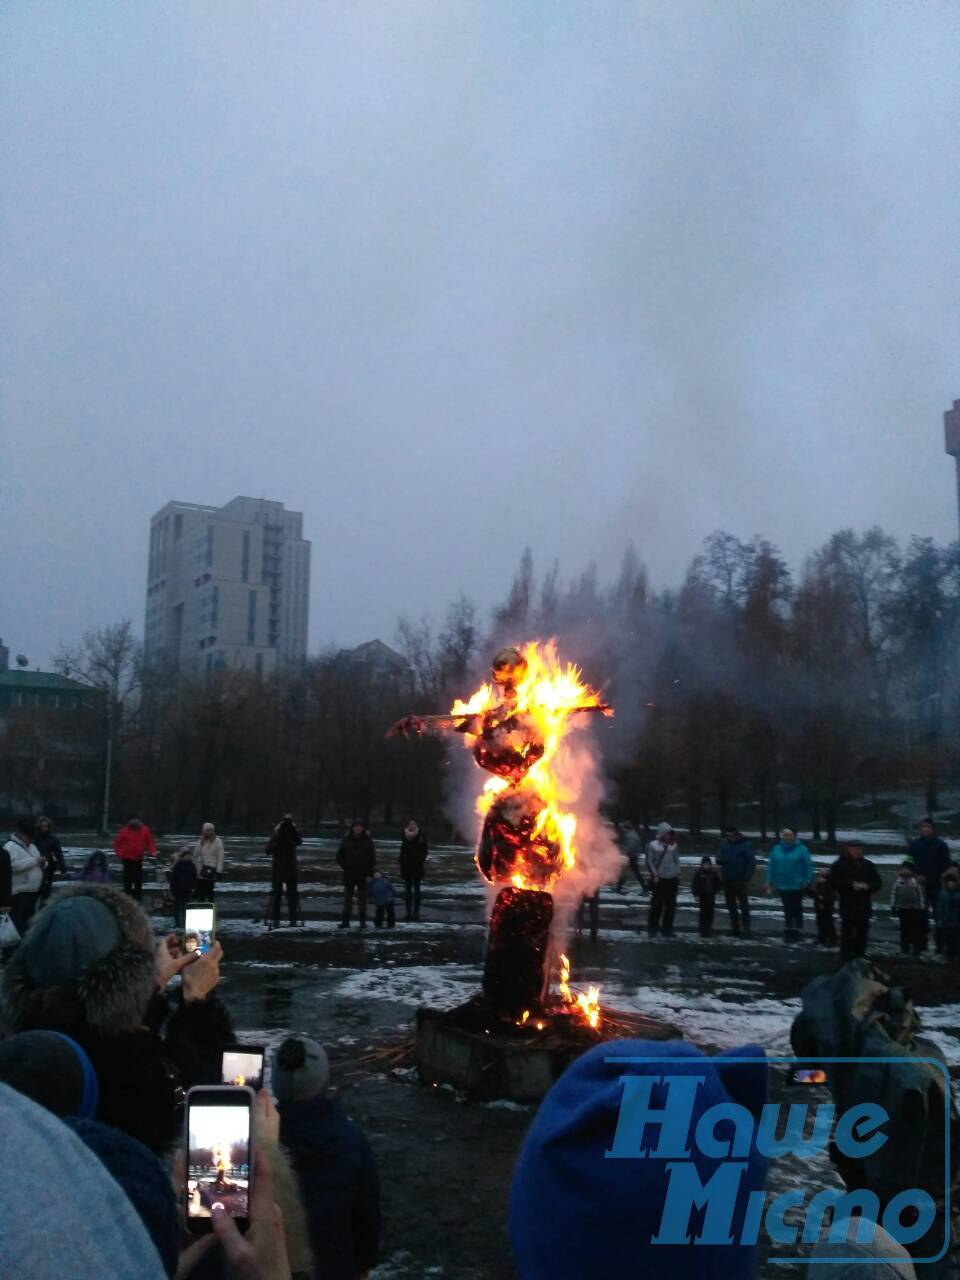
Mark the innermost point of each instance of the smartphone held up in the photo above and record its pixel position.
(243, 1064)
(199, 927)
(219, 1142)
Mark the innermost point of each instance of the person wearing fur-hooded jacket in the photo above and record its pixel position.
(89, 967)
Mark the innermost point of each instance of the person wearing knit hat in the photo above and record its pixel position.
(574, 1212)
(53, 1070)
(88, 966)
(94, 1230)
(147, 1184)
(332, 1158)
(852, 1260)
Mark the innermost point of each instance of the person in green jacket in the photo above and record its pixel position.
(790, 873)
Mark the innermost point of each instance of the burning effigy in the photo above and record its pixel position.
(515, 726)
(517, 1034)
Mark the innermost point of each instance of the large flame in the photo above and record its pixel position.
(547, 695)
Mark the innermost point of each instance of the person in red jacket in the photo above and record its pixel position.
(133, 843)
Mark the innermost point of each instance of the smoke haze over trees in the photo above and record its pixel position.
(741, 695)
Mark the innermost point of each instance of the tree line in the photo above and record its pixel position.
(745, 694)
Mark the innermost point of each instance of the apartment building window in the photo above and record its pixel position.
(177, 527)
(209, 545)
(252, 617)
(214, 607)
(245, 558)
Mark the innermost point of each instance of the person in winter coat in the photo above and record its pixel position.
(948, 913)
(931, 857)
(208, 860)
(840, 1255)
(282, 848)
(855, 879)
(89, 966)
(182, 878)
(908, 902)
(632, 847)
(611, 1210)
(333, 1160)
(790, 873)
(705, 886)
(95, 869)
(413, 855)
(90, 1229)
(824, 896)
(357, 858)
(133, 842)
(381, 891)
(589, 907)
(737, 861)
(51, 850)
(26, 873)
(663, 863)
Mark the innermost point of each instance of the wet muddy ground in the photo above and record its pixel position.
(446, 1163)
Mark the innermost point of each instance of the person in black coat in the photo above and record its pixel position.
(282, 848)
(183, 881)
(931, 858)
(705, 886)
(333, 1161)
(357, 858)
(51, 850)
(855, 879)
(88, 966)
(413, 855)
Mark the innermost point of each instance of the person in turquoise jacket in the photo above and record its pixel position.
(790, 873)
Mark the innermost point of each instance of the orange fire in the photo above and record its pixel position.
(547, 695)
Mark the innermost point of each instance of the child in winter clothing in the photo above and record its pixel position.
(706, 884)
(822, 893)
(381, 891)
(95, 869)
(908, 901)
(183, 882)
(948, 912)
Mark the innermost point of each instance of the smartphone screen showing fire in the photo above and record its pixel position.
(243, 1065)
(198, 929)
(218, 1167)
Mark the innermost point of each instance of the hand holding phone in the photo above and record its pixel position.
(200, 977)
(219, 1124)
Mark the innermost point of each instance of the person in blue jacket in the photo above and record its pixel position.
(790, 873)
(334, 1163)
(737, 861)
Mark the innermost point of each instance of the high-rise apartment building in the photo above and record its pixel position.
(951, 428)
(227, 587)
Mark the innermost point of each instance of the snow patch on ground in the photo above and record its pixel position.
(441, 986)
(708, 1021)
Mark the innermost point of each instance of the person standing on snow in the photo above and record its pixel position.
(208, 860)
(632, 847)
(790, 873)
(663, 863)
(357, 858)
(855, 879)
(282, 848)
(51, 850)
(26, 868)
(931, 858)
(705, 886)
(132, 844)
(413, 856)
(737, 861)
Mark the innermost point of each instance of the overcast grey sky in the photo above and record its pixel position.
(452, 278)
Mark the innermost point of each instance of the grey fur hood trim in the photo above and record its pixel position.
(110, 998)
